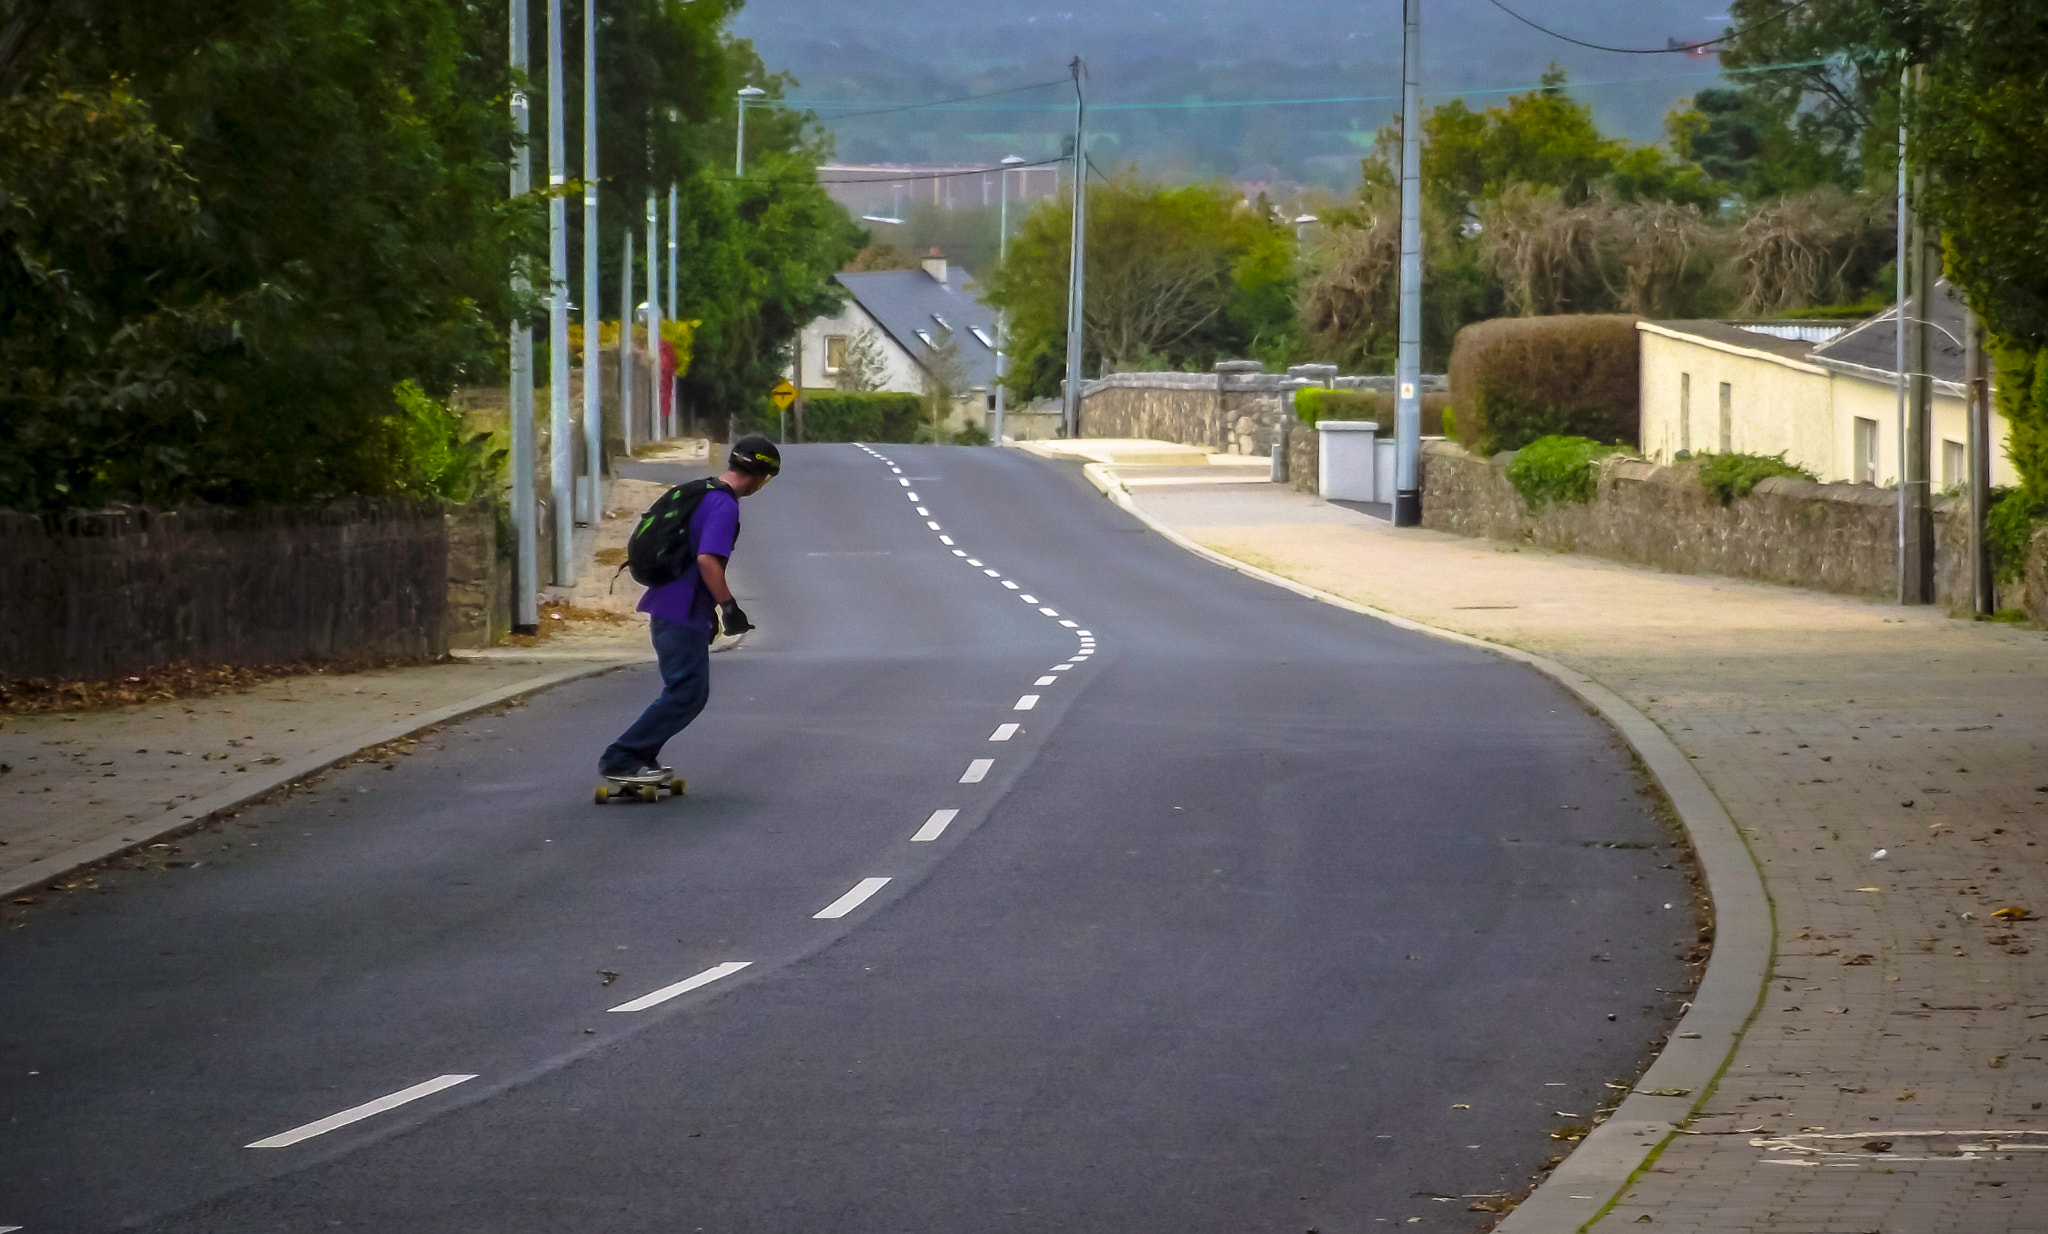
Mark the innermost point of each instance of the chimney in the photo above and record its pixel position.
(935, 265)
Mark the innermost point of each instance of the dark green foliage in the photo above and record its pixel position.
(879, 415)
(1728, 476)
(1558, 469)
(1312, 404)
(441, 455)
(1515, 379)
(2009, 530)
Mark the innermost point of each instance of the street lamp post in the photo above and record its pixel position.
(1408, 353)
(526, 565)
(561, 441)
(593, 367)
(739, 155)
(1077, 269)
(1003, 318)
(1301, 222)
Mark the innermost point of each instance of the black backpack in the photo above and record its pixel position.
(660, 550)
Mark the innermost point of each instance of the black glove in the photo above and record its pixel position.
(733, 619)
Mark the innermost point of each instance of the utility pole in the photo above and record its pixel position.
(526, 565)
(593, 365)
(1003, 318)
(561, 438)
(1408, 356)
(1977, 441)
(1900, 344)
(626, 339)
(675, 411)
(661, 427)
(1916, 580)
(1077, 266)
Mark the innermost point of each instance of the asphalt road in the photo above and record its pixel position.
(1264, 917)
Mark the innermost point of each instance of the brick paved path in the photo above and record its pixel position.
(1896, 1076)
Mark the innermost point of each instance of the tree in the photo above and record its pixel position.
(1820, 87)
(865, 367)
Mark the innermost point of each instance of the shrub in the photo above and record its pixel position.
(1516, 379)
(875, 415)
(1558, 468)
(2009, 529)
(971, 435)
(1728, 476)
(1313, 403)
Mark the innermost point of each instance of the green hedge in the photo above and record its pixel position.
(879, 415)
(1516, 379)
(1313, 403)
(1559, 469)
(1728, 476)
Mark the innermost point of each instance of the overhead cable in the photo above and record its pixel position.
(1772, 20)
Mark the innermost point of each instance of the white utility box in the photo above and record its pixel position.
(1347, 466)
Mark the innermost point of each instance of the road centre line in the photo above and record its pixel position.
(1080, 659)
(1045, 681)
(934, 826)
(1004, 732)
(945, 539)
(1059, 668)
(923, 511)
(913, 496)
(972, 562)
(1007, 583)
(851, 900)
(356, 1114)
(977, 771)
(993, 573)
(1029, 599)
(1050, 612)
(1026, 703)
(933, 526)
(959, 552)
(1070, 625)
(684, 986)
(904, 483)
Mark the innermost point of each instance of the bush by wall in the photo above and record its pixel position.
(1314, 403)
(1515, 379)
(876, 415)
(1729, 476)
(1559, 469)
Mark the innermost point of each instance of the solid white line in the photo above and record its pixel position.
(948, 540)
(356, 1114)
(1026, 703)
(933, 526)
(1004, 732)
(977, 770)
(1045, 681)
(1070, 625)
(934, 825)
(668, 992)
(1050, 612)
(993, 573)
(851, 900)
(1007, 583)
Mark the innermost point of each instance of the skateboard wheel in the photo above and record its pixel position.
(675, 787)
(649, 792)
(604, 793)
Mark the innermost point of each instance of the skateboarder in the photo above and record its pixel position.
(684, 614)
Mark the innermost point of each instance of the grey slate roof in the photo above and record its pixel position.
(1870, 350)
(904, 302)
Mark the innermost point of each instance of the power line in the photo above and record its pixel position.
(965, 98)
(928, 175)
(1772, 20)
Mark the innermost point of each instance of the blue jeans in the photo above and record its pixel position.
(685, 659)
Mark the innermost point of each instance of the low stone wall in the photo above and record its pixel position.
(110, 593)
(1830, 537)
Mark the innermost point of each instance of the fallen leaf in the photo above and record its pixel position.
(1665, 1092)
(2012, 912)
(1461, 1106)
(1867, 889)
(1856, 960)
(1574, 1131)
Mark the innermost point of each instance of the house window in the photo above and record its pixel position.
(835, 354)
(1727, 417)
(1955, 467)
(982, 334)
(1685, 413)
(926, 336)
(945, 325)
(1863, 460)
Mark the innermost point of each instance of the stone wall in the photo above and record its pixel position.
(108, 593)
(1237, 409)
(1830, 537)
(479, 576)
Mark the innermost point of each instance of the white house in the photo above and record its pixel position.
(915, 321)
(1821, 393)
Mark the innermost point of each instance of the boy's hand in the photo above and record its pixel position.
(733, 619)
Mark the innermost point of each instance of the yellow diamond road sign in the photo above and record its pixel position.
(783, 394)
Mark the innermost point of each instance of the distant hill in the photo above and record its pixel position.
(1214, 53)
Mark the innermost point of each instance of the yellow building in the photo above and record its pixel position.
(1822, 394)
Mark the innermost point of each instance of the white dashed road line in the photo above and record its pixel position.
(1007, 583)
(1029, 599)
(1026, 703)
(934, 826)
(933, 526)
(851, 900)
(668, 992)
(1050, 612)
(1045, 681)
(992, 573)
(1004, 732)
(356, 1114)
(977, 771)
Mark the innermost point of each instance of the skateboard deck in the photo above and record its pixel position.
(628, 788)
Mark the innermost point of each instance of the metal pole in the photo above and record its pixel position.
(1900, 264)
(593, 364)
(1077, 280)
(626, 340)
(675, 411)
(1919, 414)
(654, 317)
(1408, 356)
(1003, 317)
(561, 438)
(526, 566)
(739, 147)
(1977, 441)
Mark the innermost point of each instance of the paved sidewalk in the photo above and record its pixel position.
(1888, 767)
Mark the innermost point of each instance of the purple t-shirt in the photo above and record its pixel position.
(714, 525)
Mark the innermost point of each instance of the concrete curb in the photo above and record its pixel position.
(206, 809)
(1589, 1181)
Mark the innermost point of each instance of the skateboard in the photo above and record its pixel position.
(627, 788)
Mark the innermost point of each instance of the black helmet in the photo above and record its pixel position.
(755, 455)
